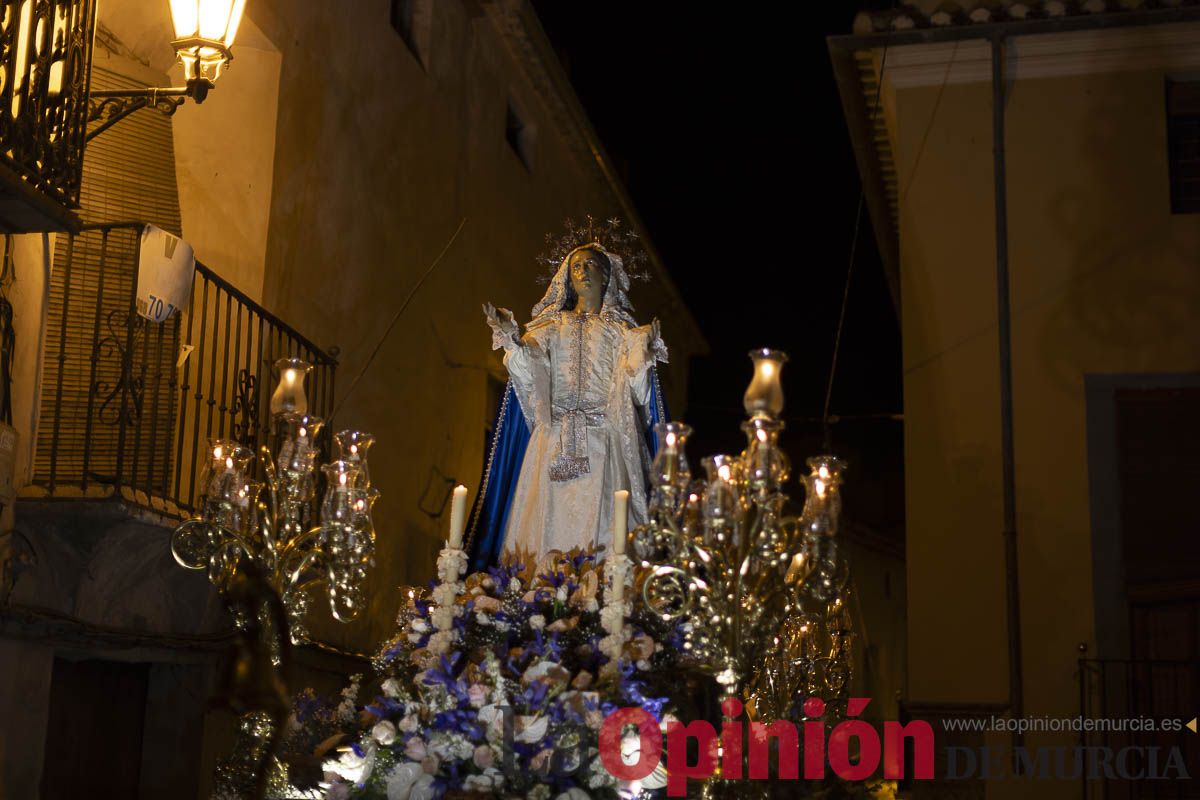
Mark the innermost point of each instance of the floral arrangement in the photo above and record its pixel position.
(496, 685)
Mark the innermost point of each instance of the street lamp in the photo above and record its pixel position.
(204, 34)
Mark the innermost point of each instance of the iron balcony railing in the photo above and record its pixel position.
(128, 405)
(1123, 693)
(45, 61)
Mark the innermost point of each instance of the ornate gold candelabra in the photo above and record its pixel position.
(762, 595)
(274, 526)
(274, 537)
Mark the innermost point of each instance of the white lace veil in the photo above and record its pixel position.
(616, 305)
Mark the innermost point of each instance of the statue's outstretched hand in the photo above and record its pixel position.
(505, 332)
(657, 347)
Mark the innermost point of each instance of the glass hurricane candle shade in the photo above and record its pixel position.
(820, 519)
(353, 447)
(347, 537)
(670, 466)
(764, 395)
(342, 494)
(721, 505)
(765, 465)
(225, 486)
(298, 449)
(822, 495)
(289, 396)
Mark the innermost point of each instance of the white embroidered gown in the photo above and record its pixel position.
(584, 382)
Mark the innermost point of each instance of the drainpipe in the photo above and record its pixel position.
(1012, 583)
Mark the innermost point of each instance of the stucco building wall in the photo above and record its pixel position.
(1103, 281)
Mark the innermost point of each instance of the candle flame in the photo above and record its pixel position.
(823, 472)
(724, 472)
(290, 376)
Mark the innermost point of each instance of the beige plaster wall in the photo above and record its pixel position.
(32, 261)
(1103, 281)
(224, 147)
(224, 163)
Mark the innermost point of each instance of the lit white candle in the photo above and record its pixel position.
(620, 520)
(458, 516)
(620, 526)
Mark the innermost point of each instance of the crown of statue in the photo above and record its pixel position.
(610, 235)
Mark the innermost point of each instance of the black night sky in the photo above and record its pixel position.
(729, 132)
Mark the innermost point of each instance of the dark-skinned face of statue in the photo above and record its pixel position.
(589, 278)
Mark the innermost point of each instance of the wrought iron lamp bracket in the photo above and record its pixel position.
(111, 106)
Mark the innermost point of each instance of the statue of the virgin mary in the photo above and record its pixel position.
(574, 425)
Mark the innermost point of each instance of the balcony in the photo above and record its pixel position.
(91, 601)
(46, 58)
(127, 406)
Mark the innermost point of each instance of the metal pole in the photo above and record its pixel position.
(1012, 583)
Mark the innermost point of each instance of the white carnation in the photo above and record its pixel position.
(440, 642)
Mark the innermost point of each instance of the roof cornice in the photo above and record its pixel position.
(1087, 37)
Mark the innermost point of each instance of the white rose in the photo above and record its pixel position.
(496, 776)
(537, 622)
(574, 793)
(384, 732)
(409, 723)
(390, 688)
(480, 782)
(423, 789)
(561, 594)
(490, 779)
(353, 767)
(400, 781)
